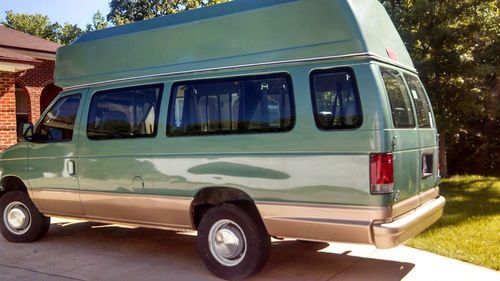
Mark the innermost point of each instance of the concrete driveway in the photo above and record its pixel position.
(89, 251)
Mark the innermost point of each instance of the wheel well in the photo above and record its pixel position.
(10, 183)
(211, 196)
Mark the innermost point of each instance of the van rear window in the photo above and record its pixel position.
(424, 113)
(401, 108)
(124, 113)
(335, 99)
(232, 106)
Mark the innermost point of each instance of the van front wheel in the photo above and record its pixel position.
(233, 244)
(20, 220)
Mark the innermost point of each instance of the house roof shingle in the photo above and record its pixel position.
(11, 38)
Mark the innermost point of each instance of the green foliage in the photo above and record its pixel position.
(126, 11)
(40, 26)
(470, 226)
(37, 25)
(98, 22)
(456, 48)
(69, 33)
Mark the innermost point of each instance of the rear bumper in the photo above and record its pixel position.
(388, 235)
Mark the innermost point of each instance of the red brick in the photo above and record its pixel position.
(34, 81)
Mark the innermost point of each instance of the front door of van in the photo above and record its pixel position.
(52, 155)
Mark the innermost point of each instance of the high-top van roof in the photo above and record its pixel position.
(237, 33)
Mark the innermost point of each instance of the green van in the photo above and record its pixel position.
(243, 121)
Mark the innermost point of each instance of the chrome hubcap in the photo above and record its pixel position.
(227, 242)
(17, 218)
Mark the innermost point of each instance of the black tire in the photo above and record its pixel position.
(256, 250)
(33, 228)
(45, 227)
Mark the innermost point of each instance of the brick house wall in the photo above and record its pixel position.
(34, 82)
(7, 110)
(27, 67)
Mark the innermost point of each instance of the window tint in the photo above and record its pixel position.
(401, 108)
(335, 99)
(424, 115)
(57, 125)
(231, 106)
(124, 113)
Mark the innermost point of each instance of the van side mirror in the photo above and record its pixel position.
(26, 132)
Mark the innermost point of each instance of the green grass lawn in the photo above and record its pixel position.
(470, 227)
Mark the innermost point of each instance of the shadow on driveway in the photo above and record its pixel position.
(89, 251)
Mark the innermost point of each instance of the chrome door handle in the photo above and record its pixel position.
(71, 168)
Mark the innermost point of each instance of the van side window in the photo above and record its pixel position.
(424, 115)
(58, 123)
(401, 108)
(124, 113)
(335, 99)
(232, 106)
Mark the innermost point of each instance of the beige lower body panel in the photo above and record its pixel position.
(57, 201)
(138, 209)
(385, 227)
(131, 209)
(323, 223)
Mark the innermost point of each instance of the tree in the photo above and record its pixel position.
(98, 22)
(455, 46)
(69, 33)
(36, 25)
(40, 26)
(126, 11)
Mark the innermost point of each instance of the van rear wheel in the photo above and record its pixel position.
(20, 220)
(232, 243)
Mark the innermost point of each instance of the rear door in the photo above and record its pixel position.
(405, 136)
(427, 133)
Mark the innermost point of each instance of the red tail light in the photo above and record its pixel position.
(381, 173)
